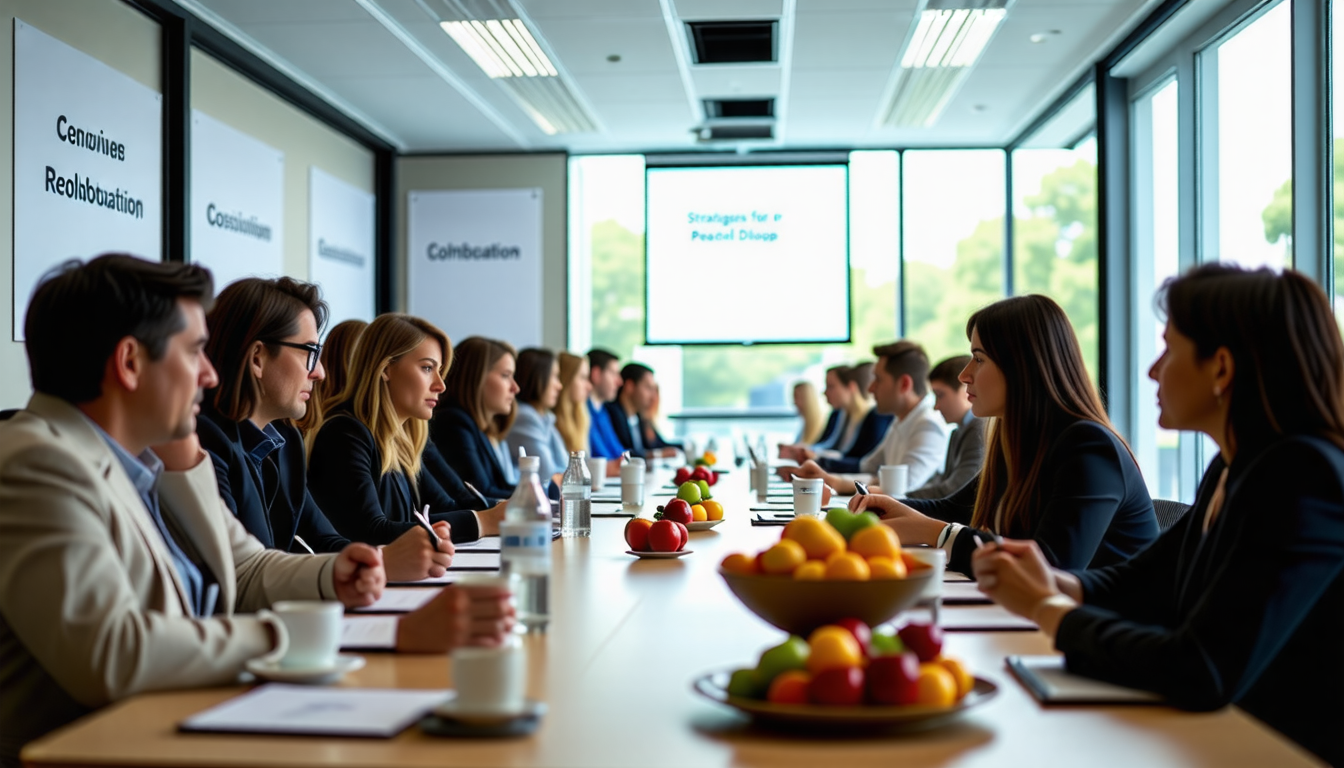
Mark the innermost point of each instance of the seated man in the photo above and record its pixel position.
(639, 389)
(918, 437)
(121, 571)
(263, 344)
(966, 444)
(604, 373)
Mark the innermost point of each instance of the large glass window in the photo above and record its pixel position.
(1247, 143)
(1337, 134)
(954, 236)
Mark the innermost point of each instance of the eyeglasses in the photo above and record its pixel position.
(314, 350)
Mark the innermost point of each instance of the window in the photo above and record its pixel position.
(954, 237)
(1247, 143)
(1337, 134)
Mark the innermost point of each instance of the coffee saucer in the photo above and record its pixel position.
(450, 710)
(345, 662)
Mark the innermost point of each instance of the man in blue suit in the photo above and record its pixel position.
(604, 372)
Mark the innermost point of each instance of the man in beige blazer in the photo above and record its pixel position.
(120, 569)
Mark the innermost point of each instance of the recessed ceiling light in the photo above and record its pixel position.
(613, 58)
(501, 47)
(1041, 37)
(947, 41)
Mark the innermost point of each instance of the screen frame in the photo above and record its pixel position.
(704, 164)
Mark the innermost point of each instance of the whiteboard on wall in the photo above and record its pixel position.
(88, 168)
(237, 202)
(474, 262)
(341, 246)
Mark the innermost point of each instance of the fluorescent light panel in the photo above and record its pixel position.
(951, 38)
(501, 47)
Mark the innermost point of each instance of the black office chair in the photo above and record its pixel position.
(8, 413)
(1169, 512)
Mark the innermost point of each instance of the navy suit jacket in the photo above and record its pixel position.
(437, 467)
(620, 424)
(872, 430)
(1251, 613)
(468, 451)
(346, 479)
(293, 511)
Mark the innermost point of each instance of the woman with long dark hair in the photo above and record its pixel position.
(1055, 471)
(1242, 601)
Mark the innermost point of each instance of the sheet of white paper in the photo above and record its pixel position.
(435, 581)
(964, 592)
(982, 618)
(299, 709)
(399, 600)
(483, 544)
(368, 632)
(475, 561)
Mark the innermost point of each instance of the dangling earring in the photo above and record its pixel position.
(1218, 393)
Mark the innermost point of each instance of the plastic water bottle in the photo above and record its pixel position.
(525, 546)
(576, 494)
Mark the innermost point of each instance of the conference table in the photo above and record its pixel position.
(615, 668)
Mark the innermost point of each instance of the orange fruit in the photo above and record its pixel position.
(833, 648)
(698, 513)
(812, 570)
(937, 686)
(710, 457)
(739, 563)
(886, 568)
(713, 509)
(876, 541)
(848, 566)
(818, 537)
(912, 563)
(783, 557)
(789, 687)
(959, 673)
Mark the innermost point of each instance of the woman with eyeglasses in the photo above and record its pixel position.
(364, 466)
(1242, 601)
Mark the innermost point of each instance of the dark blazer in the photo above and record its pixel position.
(620, 424)
(346, 479)
(835, 427)
(1251, 613)
(1095, 508)
(468, 451)
(293, 511)
(872, 430)
(434, 465)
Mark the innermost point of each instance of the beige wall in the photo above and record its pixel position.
(107, 30)
(547, 171)
(236, 101)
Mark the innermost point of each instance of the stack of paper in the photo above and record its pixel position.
(306, 711)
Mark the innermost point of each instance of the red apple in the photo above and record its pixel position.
(685, 535)
(713, 477)
(926, 640)
(838, 687)
(893, 680)
(859, 630)
(682, 475)
(664, 536)
(678, 510)
(637, 534)
(700, 473)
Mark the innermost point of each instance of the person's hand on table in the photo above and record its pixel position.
(807, 469)
(411, 558)
(1016, 575)
(359, 577)
(488, 520)
(912, 527)
(462, 614)
(180, 455)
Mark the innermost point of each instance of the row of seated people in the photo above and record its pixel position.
(1240, 602)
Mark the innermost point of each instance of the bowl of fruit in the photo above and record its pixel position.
(824, 570)
(694, 507)
(846, 674)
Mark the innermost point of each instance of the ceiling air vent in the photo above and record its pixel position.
(736, 132)
(738, 109)
(733, 42)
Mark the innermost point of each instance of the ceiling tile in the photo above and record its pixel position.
(339, 49)
(848, 40)
(242, 12)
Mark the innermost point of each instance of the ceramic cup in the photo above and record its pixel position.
(894, 479)
(313, 629)
(490, 681)
(761, 473)
(597, 467)
(807, 496)
(632, 483)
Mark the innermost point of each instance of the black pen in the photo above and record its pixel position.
(860, 489)
(424, 520)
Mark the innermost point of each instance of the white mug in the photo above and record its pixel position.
(761, 473)
(313, 631)
(894, 479)
(490, 681)
(597, 467)
(632, 484)
(807, 496)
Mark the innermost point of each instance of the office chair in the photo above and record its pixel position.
(1169, 512)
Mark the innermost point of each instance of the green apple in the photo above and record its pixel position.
(885, 643)
(746, 684)
(689, 492)
(849, 523)
(790, 654)
(704, 490)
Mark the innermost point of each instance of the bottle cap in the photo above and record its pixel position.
(529, 463)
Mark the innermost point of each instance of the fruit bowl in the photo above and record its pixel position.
(799, 606)
(702, 525)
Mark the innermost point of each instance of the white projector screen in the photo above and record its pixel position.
(747, 255)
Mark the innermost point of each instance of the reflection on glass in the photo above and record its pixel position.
(1255, 142)
(1055, 234)
(954, 207)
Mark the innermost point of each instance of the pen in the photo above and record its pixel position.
(479, 495)
(860, 488)
(424, 519)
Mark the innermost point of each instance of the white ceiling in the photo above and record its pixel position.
(389, 65)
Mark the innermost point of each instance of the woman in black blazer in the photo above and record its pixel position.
(1075, 488)
(364, 467)
(1242, 601)
(477, 411)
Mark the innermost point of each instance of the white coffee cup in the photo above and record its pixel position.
(313, 629)
(894, 479)
(935, 558)
(632, 483)
(761, 472)
(807, 496)
(597, 467)
(490, 681)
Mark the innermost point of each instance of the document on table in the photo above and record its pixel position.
(977, 618)
(963, 592)
(306, 711)
(399, 600)
(483, 544)
(432, 581)
(368, 633)
(475, 561)
(1046, 679)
